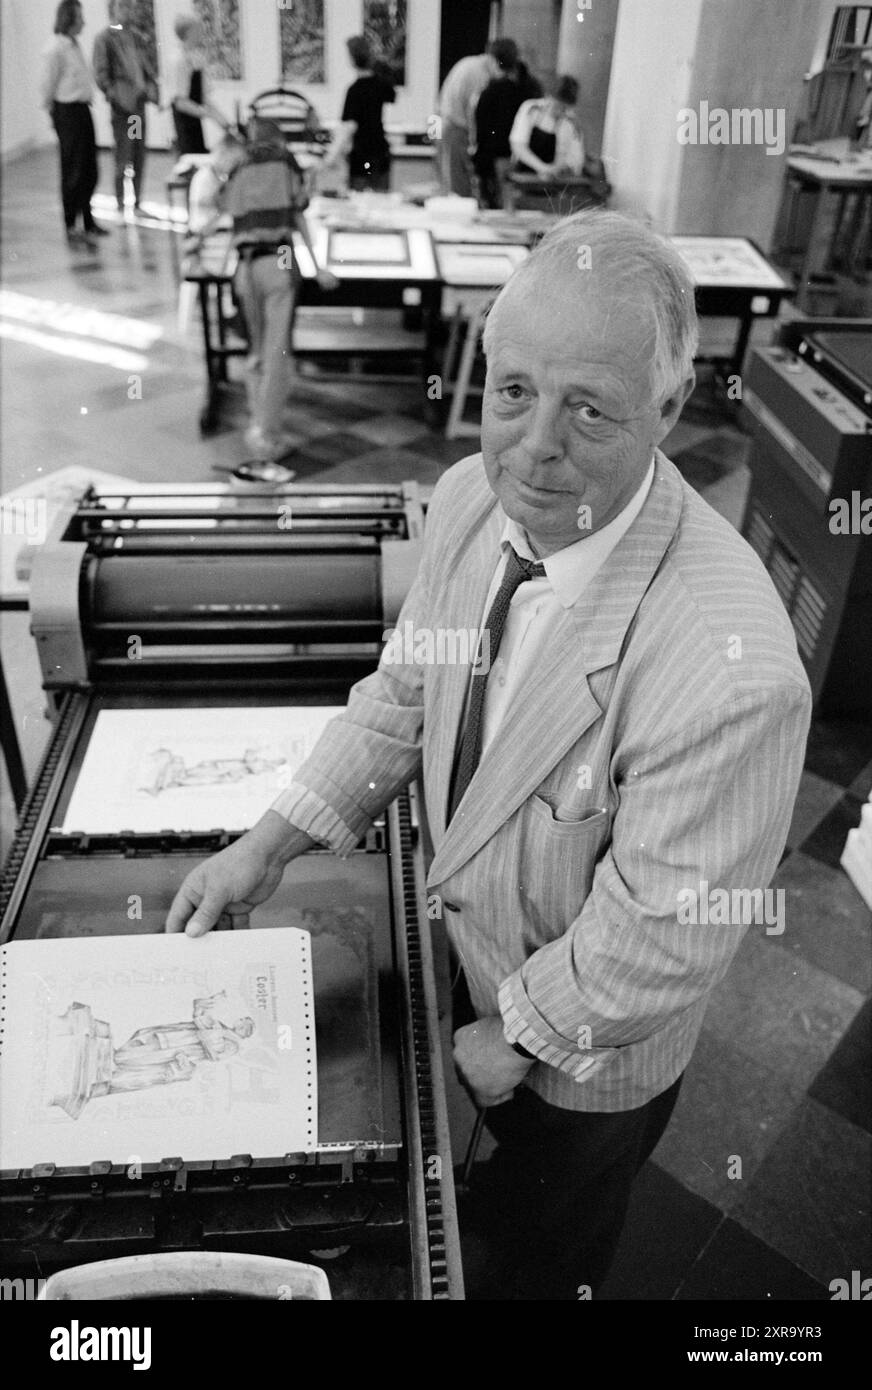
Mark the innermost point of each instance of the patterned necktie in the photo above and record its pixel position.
(517, 571)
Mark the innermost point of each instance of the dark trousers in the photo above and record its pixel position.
(128, 132)
(78, 150)
(545, 1213)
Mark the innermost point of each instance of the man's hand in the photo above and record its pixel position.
(489, 1068)
(230, 883)
(327, 280)
(237, 879)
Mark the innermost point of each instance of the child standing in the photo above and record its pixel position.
(266, 198)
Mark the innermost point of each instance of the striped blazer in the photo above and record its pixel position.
(652, 761)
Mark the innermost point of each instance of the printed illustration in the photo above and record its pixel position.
(153, 1056)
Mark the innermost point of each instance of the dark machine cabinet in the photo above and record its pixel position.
(808, 404)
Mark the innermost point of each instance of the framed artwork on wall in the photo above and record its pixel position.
(384, 24)
(301, 41)
(222, 39)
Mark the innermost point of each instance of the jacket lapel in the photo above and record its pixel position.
(469, 571)
(556, 706)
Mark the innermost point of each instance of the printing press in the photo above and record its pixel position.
(199, 598)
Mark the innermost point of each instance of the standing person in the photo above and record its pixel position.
(494, 116)
(458, 100)
(545, 139)
(361, 137)
(127, 81)
(66, 93)
(606, 765)
(266, 197)
(188, 95)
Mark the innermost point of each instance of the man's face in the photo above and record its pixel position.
(568, 422)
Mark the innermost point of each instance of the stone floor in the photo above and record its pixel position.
(780, 1078)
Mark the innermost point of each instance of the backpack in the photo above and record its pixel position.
(263, 196)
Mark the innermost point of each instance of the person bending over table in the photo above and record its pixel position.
(188, 88)
(545, 139)
(632, 739)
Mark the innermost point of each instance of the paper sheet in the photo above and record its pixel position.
(133, 1049)
(727, 262)
(190, 769)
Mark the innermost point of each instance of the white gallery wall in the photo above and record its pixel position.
(27, 30)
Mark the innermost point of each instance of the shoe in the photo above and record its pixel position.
(95, 229)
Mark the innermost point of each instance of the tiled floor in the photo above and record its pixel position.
(780, 1080)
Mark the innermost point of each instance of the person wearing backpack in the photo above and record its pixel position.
(266, 198)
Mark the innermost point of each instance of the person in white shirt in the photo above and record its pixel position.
(458, 100)
(545, 139)
(209, 181)
(188, 92)
(66, 91)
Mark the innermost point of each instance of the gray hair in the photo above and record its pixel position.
(634, 260)
(183, 25)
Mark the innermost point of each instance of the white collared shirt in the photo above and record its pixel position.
(536, 604)
(66, 76)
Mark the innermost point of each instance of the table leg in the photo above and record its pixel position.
(455, 427)
(11, 747)
(816, 254)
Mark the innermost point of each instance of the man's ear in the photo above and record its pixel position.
(672, 408)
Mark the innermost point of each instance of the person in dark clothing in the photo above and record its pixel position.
(66, 92)
(189, 98)
(126, 79)
(494, 116)
(361, 138)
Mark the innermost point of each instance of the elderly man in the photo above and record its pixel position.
(127, 81)
(635, 736)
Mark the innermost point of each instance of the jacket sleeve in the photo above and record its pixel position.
(372, 750)
(708, 810)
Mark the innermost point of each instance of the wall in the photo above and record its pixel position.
(651, 69)
(585, 51)
(759, 60)
(534, 25)
(734, 54)
(28, 28)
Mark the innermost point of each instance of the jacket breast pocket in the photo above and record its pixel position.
(557, 864)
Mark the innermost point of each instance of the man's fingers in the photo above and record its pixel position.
(207, 914)
(183, 904)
